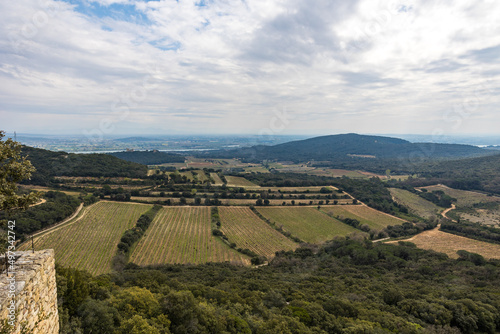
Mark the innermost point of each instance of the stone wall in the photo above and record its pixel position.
(35, 294)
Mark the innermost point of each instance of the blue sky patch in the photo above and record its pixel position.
(165, 45)
(119, 12)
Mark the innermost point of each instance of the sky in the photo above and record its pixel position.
(270, 67)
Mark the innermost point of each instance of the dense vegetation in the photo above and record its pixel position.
(58, 207)
(343, 287)
(351, 149)
(473, 230)
(481, 173)
(49, 164)
(149, 157)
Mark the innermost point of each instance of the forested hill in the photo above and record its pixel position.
(481, 173)
(149, 157)
(49, 164)
(347, 147)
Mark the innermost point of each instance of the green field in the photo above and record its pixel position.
(90, 241)
(307, 223)
(200, 175)
(217, 179)
(243, 227)
(183, 235)
(374, 219)
(238, 181)
(416, 204)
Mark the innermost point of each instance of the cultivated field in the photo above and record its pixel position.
(307, 223)
(416, 204)
(449, 244)
(238, 181)
(200, 175)
(243, 227)
(183, 235)
(311, 189)
(375, 219)
(89, 242)
(217, 180)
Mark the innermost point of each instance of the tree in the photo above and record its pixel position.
(13, 169)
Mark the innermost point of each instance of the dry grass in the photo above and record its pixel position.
(449, 244)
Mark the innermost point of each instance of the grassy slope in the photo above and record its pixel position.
(366, 215)
(415, 203)
(307, 223)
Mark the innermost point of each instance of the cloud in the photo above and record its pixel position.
(226, 66)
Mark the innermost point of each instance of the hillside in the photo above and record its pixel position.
(480, 173)
(352, 148)
(149, 157)
(49, 164)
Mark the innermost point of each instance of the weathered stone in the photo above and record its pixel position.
(35, 293)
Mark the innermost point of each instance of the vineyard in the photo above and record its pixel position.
(415, 203)
(307, 223)
(217, 179)
(365, 215)
(183, 235)
(89, 242)
(247, 230)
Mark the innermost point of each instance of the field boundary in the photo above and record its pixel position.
(57, 225)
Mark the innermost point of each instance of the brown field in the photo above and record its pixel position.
(449, 244)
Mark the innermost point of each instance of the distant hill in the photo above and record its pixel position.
(149, 157)
(49, 164)
(351, 147)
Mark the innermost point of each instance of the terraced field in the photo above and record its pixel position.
(416, 204)
(238, 181)
(243, 227)
(307, 223)
(183, 235)
(89, 241)
(375, 219)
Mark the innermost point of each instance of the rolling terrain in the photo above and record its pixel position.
(89, 241)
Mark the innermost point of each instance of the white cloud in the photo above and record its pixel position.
(364, 66)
